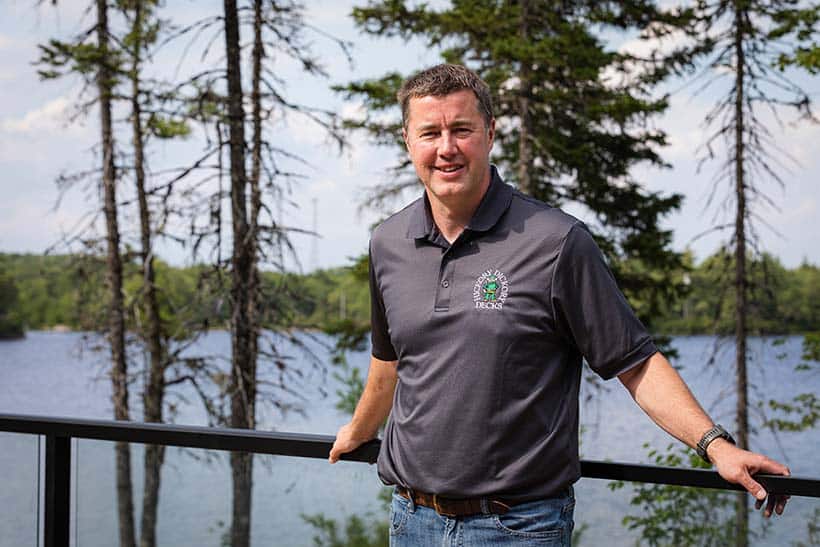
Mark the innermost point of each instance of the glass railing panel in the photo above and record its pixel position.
(295, 500)
(600, 513)
(292, 496)
(195, 496)
(94, 496)
(19, 489)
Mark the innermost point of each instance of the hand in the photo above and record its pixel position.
(737, 466)
(346, 441)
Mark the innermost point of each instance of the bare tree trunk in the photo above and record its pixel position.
(154, 387)
(742, 517)
(255, 181)
(525, 90)
(116, 327)
(243, 380)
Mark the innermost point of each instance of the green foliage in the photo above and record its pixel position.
(69, 291)
(58, 290)
(780, 301)
(678, 515)
(358, 532)
(813, 529)
(811, 348)
(802, 25)
(10, 324)
(62, 58)
(803, 411)
(351, 390)
(167, 128)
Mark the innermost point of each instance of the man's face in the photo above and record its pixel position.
(449, 145)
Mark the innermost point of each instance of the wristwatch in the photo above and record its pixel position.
(717, 432)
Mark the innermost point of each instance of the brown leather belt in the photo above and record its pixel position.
(453, 507)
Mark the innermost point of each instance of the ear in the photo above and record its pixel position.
(491, 132)
(404, 136)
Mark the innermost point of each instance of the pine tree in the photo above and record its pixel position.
(565, 133)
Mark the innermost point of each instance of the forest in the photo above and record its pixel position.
(48, 292)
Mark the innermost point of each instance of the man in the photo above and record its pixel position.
(484, 302)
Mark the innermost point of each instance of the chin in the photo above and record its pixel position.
(448, 189)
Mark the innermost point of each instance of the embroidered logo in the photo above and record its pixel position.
(490, 290)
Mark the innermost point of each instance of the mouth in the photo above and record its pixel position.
(448, 169)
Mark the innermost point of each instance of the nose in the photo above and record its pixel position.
(448, 146)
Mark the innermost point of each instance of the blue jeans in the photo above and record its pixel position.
(541, 522)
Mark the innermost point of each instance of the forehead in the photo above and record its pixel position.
(460, 105)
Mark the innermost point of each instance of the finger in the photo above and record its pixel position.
(781, 504)
(334, 454)
(770, 506)
(767, 465)
(752, 486)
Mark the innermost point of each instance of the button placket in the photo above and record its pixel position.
(445, 282)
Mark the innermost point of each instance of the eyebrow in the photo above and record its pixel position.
(455, 124)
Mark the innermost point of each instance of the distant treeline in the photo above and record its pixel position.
(781, 300)
(43, 292)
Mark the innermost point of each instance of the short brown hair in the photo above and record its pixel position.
(442, 80)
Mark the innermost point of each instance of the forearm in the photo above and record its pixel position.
(376, 400)
(662, 394)
(372, 410)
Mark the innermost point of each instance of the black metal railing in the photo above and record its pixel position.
(59, 432)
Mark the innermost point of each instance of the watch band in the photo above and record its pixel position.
(717, 432)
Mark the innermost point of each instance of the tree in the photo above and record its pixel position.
(243, 367)
(104, 65)
(10, 324)
(116, 317)
(256, 236)
(754, 42)
(565, 133)
(143, 33)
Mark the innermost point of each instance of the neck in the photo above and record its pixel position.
(450, 223)
(452, 216)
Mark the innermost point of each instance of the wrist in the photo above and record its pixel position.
(714, 435)
(717, 448)
(360, 432)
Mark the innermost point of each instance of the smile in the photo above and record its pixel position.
(449, 168)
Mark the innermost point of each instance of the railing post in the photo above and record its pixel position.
(57, 496)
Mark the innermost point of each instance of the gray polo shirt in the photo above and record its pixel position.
(490, 333)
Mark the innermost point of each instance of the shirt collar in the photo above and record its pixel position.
(495, 203)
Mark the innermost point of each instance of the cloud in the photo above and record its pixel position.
(807, 210)
(53, 115)
(354, 110)
(656, 42)
(5, 42)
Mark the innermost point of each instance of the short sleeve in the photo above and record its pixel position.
(590, 310)
(379, 333)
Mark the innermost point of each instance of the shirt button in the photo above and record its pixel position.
(445, 283)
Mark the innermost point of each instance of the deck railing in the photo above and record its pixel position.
(59, 432)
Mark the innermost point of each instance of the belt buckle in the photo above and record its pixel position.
(439, 509)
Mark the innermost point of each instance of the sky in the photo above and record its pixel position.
(41, 138)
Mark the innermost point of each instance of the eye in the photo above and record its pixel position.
(463, 131)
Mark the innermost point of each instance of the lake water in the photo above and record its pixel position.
(58, 374)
